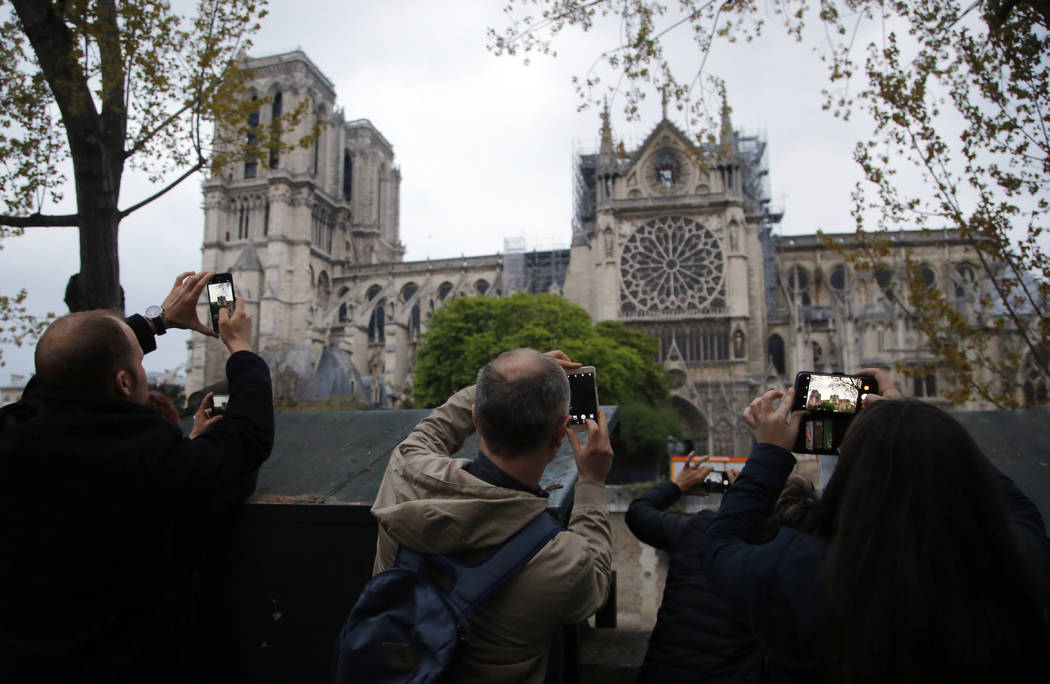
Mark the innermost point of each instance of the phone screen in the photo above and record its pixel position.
(583, 398)
(834, 393)
(219, 403)
(220, 294)
(831, 400)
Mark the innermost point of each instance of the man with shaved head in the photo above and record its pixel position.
(97, 492)
(434, 504)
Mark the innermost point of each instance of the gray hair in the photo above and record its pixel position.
(519, 397)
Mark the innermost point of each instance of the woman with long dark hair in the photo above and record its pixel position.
(930, 565)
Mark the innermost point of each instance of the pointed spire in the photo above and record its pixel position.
(726, 137)
(663, 102)
(607, 152)
(606, 134)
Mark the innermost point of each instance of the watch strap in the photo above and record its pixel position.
(158, 323)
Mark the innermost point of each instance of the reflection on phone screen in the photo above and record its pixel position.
(220, 294)
(832, 393)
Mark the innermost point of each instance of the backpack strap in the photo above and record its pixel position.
(471, 584)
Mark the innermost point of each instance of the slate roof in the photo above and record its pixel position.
(338, 457)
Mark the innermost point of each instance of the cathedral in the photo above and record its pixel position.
(684, 250)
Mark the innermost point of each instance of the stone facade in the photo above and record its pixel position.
(661, 241)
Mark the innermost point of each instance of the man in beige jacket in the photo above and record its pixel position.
(435, 504)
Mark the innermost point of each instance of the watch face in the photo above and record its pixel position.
(666, 171)
(154, 311)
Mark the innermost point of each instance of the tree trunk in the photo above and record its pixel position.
(97, 168)
(97, 286)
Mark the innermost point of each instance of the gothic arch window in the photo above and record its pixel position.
(342, 312)
(444, 289)
(324, 289)
(775, 351)
(722, 439)
(481, 286)
(1036, 384)
(414, 323)
(607, 239)
(377, 323)
(837, 280)
(798, 286)
(696, 425)
(373, 291)
(929, 276)
(348, 176)
(671, 264)
(317, 143)
(925, 386)
(379, 196)
(275, 129)
(884, 279)
(251, 138)
(266, 217)
(409, 291)
(243, 217)
(322, 224)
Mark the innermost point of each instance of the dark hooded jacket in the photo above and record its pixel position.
(697, 636)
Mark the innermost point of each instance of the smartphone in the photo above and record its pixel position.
(220, 294)
(717, 482)
(583, 397)
(219, 403)
(832, 400)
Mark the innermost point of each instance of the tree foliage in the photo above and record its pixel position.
(94, 88)
(470, 331)
(958, 94)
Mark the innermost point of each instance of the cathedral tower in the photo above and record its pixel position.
(667, 239)
(290, 222)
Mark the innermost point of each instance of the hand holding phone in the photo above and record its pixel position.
(774, 423)
(832, 400)
(235, 330)
(180, 306)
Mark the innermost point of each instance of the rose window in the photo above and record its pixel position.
(671, 265)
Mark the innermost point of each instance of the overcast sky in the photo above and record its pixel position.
(484, 144)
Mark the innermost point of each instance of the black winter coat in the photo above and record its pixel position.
(96, 497)
(698, 637)
(776, 584)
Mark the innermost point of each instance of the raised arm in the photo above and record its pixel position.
(445, 429)
(733, 559)
(647, 516)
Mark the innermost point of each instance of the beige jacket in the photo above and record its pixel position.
(429, 503)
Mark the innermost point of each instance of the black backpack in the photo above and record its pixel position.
(409, 623)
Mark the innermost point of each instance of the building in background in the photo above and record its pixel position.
(660, 241)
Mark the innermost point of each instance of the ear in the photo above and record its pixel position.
(558, 432)
(474, 419)
(125, 384)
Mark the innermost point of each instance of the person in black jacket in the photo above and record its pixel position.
(698, 636)
(97, 492)
(929, 565)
